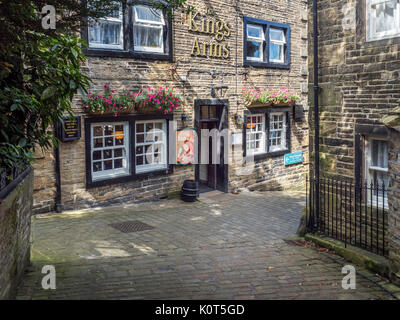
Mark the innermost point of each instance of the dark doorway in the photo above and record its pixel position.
(211, 117)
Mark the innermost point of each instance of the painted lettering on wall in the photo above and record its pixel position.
(218, 29)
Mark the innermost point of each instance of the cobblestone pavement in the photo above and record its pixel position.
(222, 247)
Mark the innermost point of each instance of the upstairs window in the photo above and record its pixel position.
(133, 30)
(383, 19)
(148, 29)
(107, 33)
(266, 43)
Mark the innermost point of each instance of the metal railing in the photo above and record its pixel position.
(355, 213)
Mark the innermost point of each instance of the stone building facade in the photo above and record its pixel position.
(210, 73)
(359, 65)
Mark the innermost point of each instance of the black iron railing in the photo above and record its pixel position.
(354, 213)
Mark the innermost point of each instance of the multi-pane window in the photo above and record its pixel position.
(266, 43)
(148, 29)
(277, 131)
(277, 45)
(266, 133)
(377, 166)
(383, 19)
(107, 33)
(150, 145)
(255, 42)
(255, 134)
(109, 150)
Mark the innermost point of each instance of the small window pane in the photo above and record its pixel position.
(105, 32)
(96, 166)
(254, 49)
(139, 160)
(109, 142)
(97, 155)
(140, 138)
(117, 163)
(276, 52)
(149, 14)
(107, 154)
(98, 131)
(148, 37)
(108, 165)
(119, 141)
(140, 127)
(385, 16)
(118, 153)
(276, 34)
(254, 31)
(98, 143)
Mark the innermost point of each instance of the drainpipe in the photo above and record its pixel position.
(58, 175)
(316, 109)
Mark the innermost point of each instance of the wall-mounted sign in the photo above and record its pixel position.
(214, 27)
(293, 158)
(237, 138)
(185, 146)
(71, 130)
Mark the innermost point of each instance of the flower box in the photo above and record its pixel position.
(110, 110)
(265, 98)
(146, 108)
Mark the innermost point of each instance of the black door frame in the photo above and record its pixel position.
(224, 118)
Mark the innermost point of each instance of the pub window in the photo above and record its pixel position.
(255, 134)
(382, 20)
(110, 150)
(267, 133)
(376, 168)
(134, 30)
(107, 33)
(148, 29)
(266, 43)
(151, 145)
(277, 131)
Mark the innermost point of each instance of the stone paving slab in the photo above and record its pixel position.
(222, 247)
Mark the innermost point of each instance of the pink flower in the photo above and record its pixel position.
(105, 86)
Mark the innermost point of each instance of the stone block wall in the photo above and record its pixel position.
(201, 73)
(359, 80)
(15, 226)
(394, 206)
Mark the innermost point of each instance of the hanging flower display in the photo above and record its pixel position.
(164, 99)
(112, 103)
(270, 97)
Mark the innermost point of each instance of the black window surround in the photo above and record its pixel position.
(128, 51)
(267, 112)
(266, 27)
(132, 165)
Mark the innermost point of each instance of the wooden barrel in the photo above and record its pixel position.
(190, 191)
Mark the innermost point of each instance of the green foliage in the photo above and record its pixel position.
(40, 70)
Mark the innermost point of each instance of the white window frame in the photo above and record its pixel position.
(150, 24)
(283, 145)
(261, 40)
(277, 42)
(113, 173)
(249, 131)
(368, 176)
(371, 34)
(164, 163)
(109, 46)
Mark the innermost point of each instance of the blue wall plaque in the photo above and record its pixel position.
(293, 158)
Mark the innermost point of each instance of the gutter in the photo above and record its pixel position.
(316, 108)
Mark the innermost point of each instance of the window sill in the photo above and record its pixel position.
(115, 53)
(261, 156)
(259, 64)
(128, 178)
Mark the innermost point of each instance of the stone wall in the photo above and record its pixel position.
(201, 73)
(15, 226)
(359, 80)
(394, 205)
